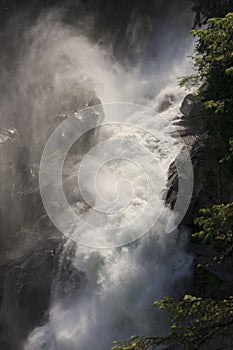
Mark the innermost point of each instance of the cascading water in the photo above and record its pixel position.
(113, 298)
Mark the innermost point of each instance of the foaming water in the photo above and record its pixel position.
(115, 299)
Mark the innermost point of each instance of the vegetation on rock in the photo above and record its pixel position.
(195, 320)
(216, 230)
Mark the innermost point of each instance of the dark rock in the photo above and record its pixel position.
(215, 280)
(196, 155)
(189, 106)
(192, 131)
(31, 250)
(223, 340)
(69, 281)
(218, 270)
(26, 274)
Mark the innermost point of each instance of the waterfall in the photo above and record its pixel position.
(103, 290)
(116, 287)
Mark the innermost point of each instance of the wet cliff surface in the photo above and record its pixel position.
(28, 268)
(191, 126)
(214, 280)
(39, 89)
(31, 248)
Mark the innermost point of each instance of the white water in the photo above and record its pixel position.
(122, 283)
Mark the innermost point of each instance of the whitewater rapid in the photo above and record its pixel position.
(115, 299)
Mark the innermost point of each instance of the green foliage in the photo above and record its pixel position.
(189, 81)
(194, 321)
(138, 343)
(213, 62)
(216, 230)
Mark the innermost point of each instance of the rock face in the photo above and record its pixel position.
(31, 249)
(69, 280)
(191, 127)
(197, 149)
(189, 106)
(222, 341)
(26, 277)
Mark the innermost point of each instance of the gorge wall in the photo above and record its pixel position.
(46, 76)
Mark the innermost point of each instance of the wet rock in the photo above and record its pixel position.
(69, 281)
(197, 149)
(192, 131)
(190, 107)
(31, 250)
(26, 274)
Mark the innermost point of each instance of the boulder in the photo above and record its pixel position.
(190, 107)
